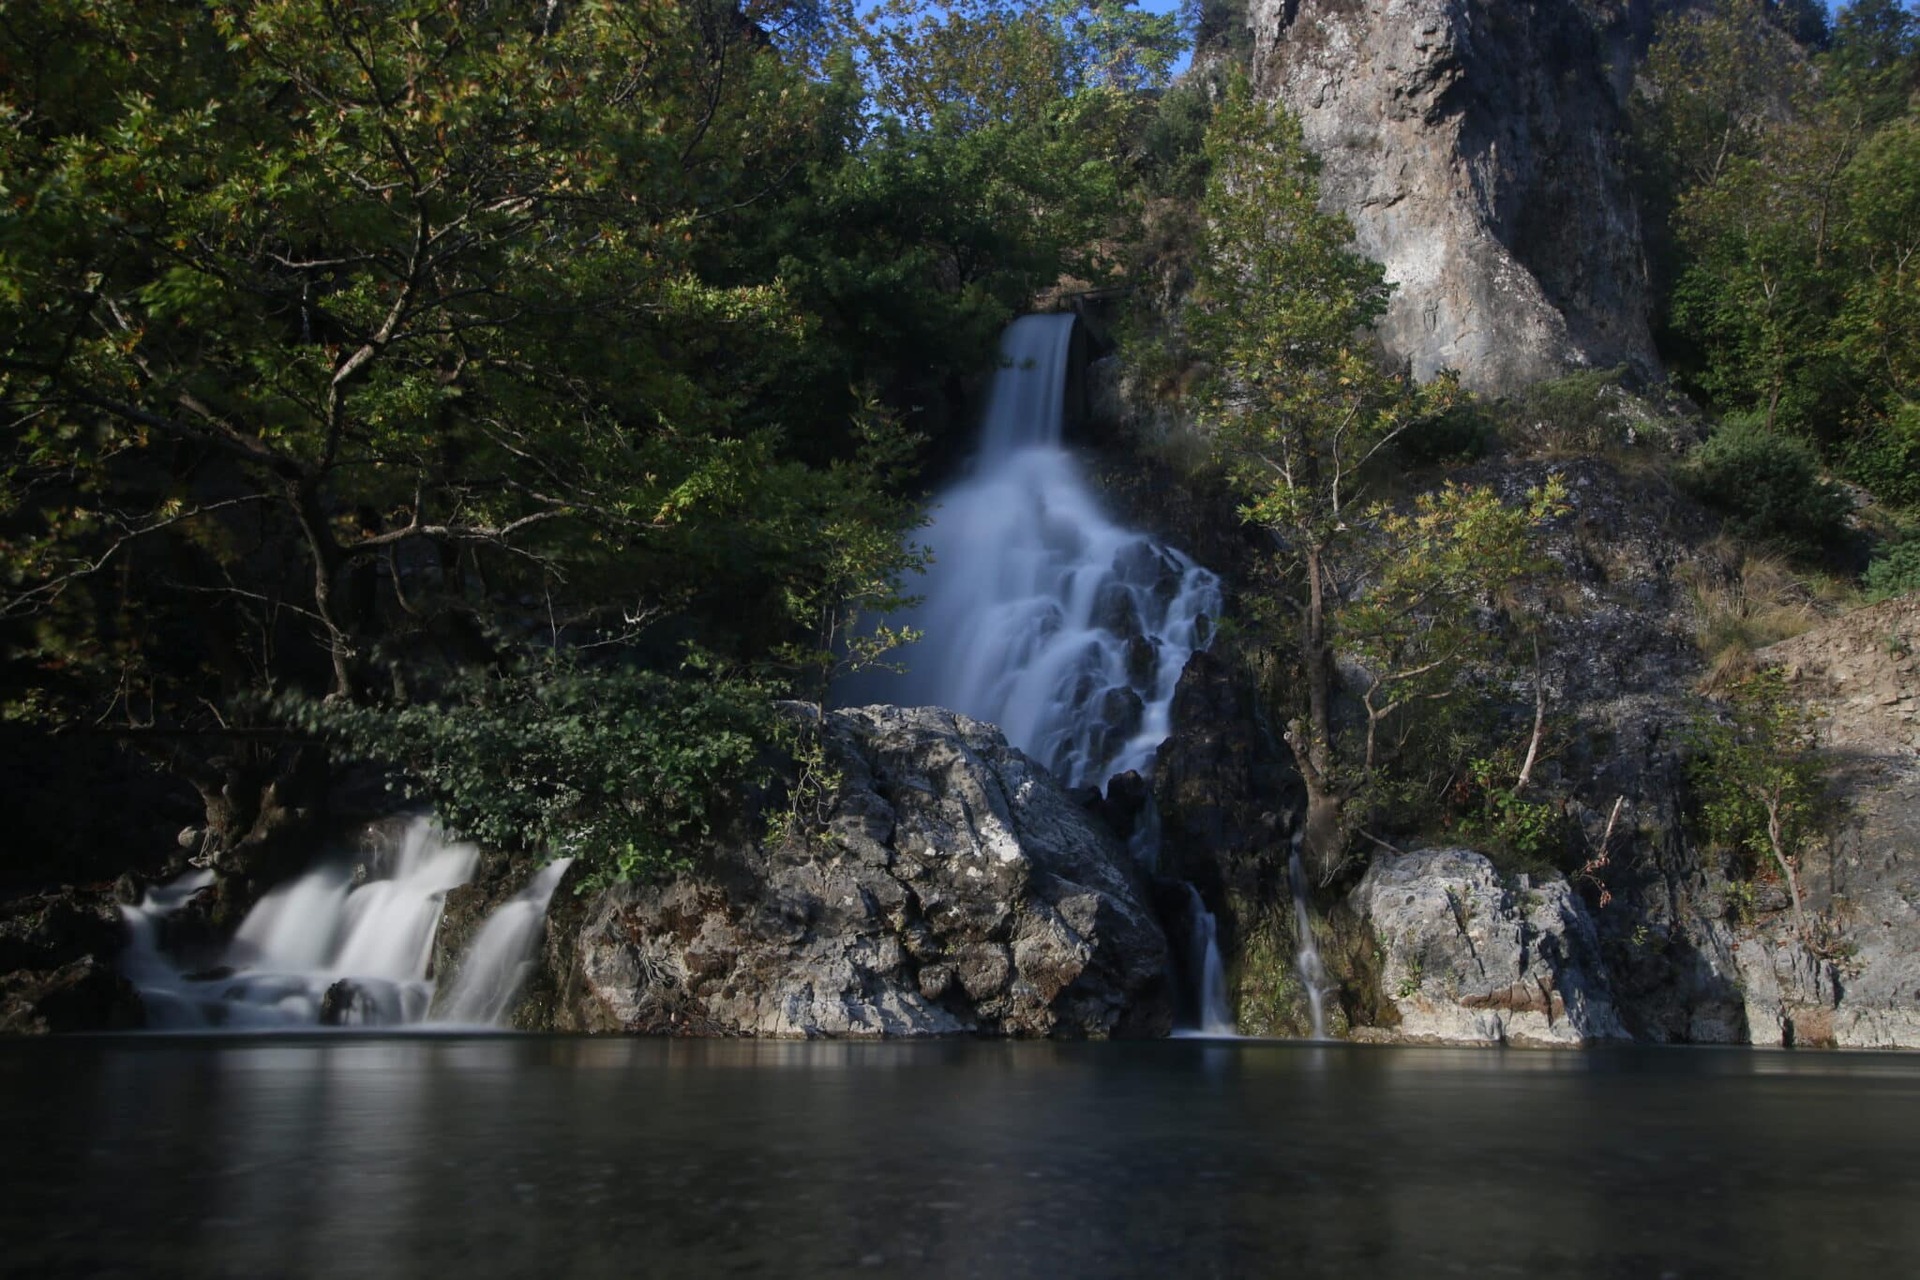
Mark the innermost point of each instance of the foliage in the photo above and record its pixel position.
(1300, 408)
(351, 349)
(1894, 572)
(1769, 487)
(1789, 174)
(626, 770)
(1521, 834)
(1758, 780)
(1463, 430)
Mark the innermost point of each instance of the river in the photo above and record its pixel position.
(525, 1156)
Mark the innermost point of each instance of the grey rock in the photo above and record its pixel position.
(1468, 960)
(1476, 147)
(957, 889)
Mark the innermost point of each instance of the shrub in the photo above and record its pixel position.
(1768, 487)
(1585, 412)
(626, 770)
(1460, 432)
(1886, 460)
(1894, 572)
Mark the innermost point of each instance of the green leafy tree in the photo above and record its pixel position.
(1791, 180)
(1300, 407)
(344, 345)
(1759, 780)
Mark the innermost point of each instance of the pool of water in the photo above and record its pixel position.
(503, 1156)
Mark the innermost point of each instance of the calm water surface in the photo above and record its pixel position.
(554, 1157)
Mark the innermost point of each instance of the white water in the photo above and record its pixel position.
(368, 926)
(501, 956)
(1216, 1011)
(1041, 615)
(1044, 617)
(1313, 974)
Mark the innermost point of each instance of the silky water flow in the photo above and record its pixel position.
(1043, 616)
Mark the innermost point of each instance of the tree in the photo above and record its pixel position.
(1792, 181)
(1299, 407)
(350, 344)
(1758, 778)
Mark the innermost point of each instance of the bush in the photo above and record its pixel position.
(1462, 432)
(1585, 412)
(1886, 460)
(1894, 572)
(625, 770)
(1768, 487)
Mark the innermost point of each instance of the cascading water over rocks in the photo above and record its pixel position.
(1043, 616)
(349, 943)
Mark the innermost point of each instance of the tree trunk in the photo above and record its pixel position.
(1776, 839)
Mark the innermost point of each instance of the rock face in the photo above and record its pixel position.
(1857, 983)
(957, 889)
(1476, 147)
(1470, 961)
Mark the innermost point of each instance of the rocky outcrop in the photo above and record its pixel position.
(56, 974)
(1856, 983)
(955, 889)
(1476, 145)
(1470, 960)
(83, 995)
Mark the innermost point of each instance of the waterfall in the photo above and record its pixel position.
(344, 944)
(1216, 1012)
(1043, 616)
(1040, 614)
(1313, 974)
(502, 954)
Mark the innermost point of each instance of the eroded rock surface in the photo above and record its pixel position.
(958, 890)
(1476, 145)
(1470, 960)
(1857, 982)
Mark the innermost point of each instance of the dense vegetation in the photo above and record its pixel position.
(544, 362)
(1781, 158)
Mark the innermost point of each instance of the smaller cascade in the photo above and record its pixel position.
(348, 943)
(1216, 1013)
(1313, 974)
(502, 955)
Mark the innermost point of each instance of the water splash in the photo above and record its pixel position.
(502, 955)
(1040, 614)
(347, 943)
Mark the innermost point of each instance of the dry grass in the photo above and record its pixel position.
(1744, 601)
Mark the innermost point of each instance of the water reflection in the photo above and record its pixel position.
(587, 1157)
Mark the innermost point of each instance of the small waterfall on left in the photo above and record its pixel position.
(349, 943)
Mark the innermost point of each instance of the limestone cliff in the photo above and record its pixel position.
(1477, 147)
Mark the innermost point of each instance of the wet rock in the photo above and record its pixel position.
(85, 995)
(46, 931)
(346, 1005)
(957, 889)
(1469, 960)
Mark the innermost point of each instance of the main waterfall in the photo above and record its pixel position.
(1044, 617)
(1040, 614)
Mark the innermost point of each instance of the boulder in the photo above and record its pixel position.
(1470, 960)
(955, 889)
(84, 995)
